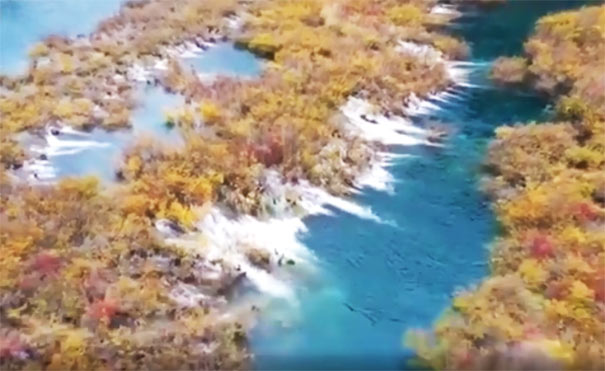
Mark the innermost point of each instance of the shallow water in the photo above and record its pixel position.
(100, 159)
(149, 117)
(25, 22)
(381, 279)
(225, 59)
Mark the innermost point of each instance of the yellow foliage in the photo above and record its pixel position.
(210, 112)
(66, 63)
(178, 212)
(134, 164)
(264, 44)
(533, 273)
(557, 350)
(406, 15)
(580, 293)
(86, 187)
(136, 204)
(558, 308)
(64, 109)
(39, 50)
(510, 70)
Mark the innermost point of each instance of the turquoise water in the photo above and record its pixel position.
(149, 117)
(101, 160)
(379, 280)
(25, 22)
(225, 59)
(376, 280)
(503, 30)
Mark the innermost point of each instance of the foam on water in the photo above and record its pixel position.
(99, 152)
(64, 151)
(426, 52)
(444, 9)
(280, 232)
(395, 130)
(230, 237)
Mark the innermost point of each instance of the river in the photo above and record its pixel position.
(375, 278)
(380, 279)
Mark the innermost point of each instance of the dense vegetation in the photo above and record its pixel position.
(86, 285)
(86, 282)
(87, 81)
(544, 304)
(320, 54)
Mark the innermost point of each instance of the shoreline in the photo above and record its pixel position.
(541, 305)
(313, 187)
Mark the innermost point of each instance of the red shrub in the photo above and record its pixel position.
(373, 10)
(96, 283)
(541, 247)
(463, 359)
(531, 331)
(584, 212)
(555, 290)
(103, 309)
(29, 282)
(11, 345)
(46, 263)
(270, 152)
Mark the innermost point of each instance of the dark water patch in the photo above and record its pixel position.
(503, 29)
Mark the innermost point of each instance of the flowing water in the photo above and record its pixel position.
(71, 153)
(377, 278)
(381, 279)
(98, 152)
